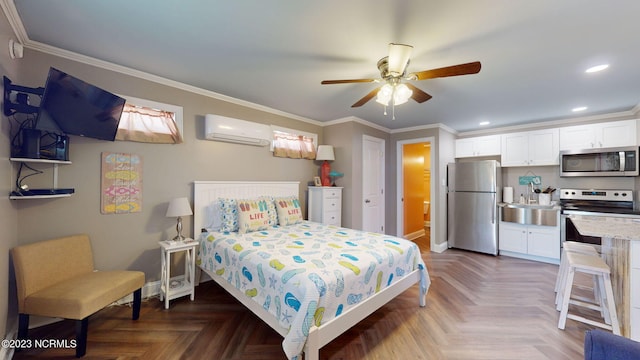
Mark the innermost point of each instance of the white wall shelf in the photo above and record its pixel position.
(55, 164)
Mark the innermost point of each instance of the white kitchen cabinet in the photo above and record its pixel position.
(530, 148)
(325, 205)
(534, 242)
(478, 146)
(512, 237)
(601, 135)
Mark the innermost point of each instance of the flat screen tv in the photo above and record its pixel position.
(72, 106)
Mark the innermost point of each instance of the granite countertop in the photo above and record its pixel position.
(607, 227)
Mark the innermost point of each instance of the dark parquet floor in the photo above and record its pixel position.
(478, 307)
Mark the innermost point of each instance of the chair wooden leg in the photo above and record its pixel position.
(566, 296)
(23, 326)
(81, 336)
(137, 300)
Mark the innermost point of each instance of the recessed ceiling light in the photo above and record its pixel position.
(579, 108)
(597, 68)
(483, 123)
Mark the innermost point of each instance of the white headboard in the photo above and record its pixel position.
(206, 192)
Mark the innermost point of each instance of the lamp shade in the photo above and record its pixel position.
(325, 152)
(179, 207)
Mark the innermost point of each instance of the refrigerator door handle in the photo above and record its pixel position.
(493, 210)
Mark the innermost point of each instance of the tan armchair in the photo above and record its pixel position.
(56, 278)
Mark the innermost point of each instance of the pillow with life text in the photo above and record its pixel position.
(253, 215)
(289, 211)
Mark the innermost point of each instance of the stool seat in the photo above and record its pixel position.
(588, 263)
(596, 266)
(575, 246)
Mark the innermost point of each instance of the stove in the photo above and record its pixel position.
(593, 202)
(618, 203)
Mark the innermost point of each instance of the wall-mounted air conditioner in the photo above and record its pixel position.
(222, 128)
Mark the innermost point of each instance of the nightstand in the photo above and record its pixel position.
(179, 285)
(325, 205)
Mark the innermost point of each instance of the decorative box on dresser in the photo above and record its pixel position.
(325, 205)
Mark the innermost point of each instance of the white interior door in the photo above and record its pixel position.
(373, 184)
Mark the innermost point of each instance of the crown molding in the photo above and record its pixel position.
(357, 120)
(620, 115)
(426, 127)
(34, 45)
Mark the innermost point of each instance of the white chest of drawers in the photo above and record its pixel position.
(325, 205)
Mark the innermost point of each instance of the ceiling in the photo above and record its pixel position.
(276, 53)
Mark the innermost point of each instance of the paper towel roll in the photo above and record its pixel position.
(507, 194)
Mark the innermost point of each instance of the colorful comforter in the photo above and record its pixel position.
(309, 273)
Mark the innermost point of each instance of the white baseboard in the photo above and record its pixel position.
(439, 248)
(149, 290)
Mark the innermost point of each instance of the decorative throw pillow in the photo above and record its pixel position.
(253, 215)
(289, 211)
(213, 217)
(229, 210)
(271, 209)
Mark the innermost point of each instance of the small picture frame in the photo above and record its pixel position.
(317, 181)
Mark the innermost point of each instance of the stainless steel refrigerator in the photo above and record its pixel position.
(474, 190)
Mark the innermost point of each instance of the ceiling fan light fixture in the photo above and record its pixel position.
(402, 94)
(384, 94)
(398, 94)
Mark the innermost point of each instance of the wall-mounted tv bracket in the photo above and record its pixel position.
(22, 98)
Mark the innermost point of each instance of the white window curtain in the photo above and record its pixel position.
(142, 124)
(293, 146)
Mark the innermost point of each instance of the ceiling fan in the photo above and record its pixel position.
(396, 90)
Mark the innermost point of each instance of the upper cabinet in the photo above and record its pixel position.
(530, 148)
(601, 135)
(478, 146)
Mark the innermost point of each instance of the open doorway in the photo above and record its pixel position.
(415, 191)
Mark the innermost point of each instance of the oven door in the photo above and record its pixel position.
(568, 232)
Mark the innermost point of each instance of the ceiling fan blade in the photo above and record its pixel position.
(455, 70)
(399, 55)
(418, 95)
(366, 98)
(329, 82)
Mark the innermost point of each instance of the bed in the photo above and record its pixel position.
(308, 281)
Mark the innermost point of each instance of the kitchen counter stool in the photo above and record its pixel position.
(576, 247)
(596, 266)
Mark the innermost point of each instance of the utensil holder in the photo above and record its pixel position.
(544, 199)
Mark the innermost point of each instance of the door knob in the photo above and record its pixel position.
(367, 201)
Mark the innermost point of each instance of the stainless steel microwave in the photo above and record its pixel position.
(620, 161)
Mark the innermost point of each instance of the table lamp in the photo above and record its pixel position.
(325, 153)
(179, 207)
